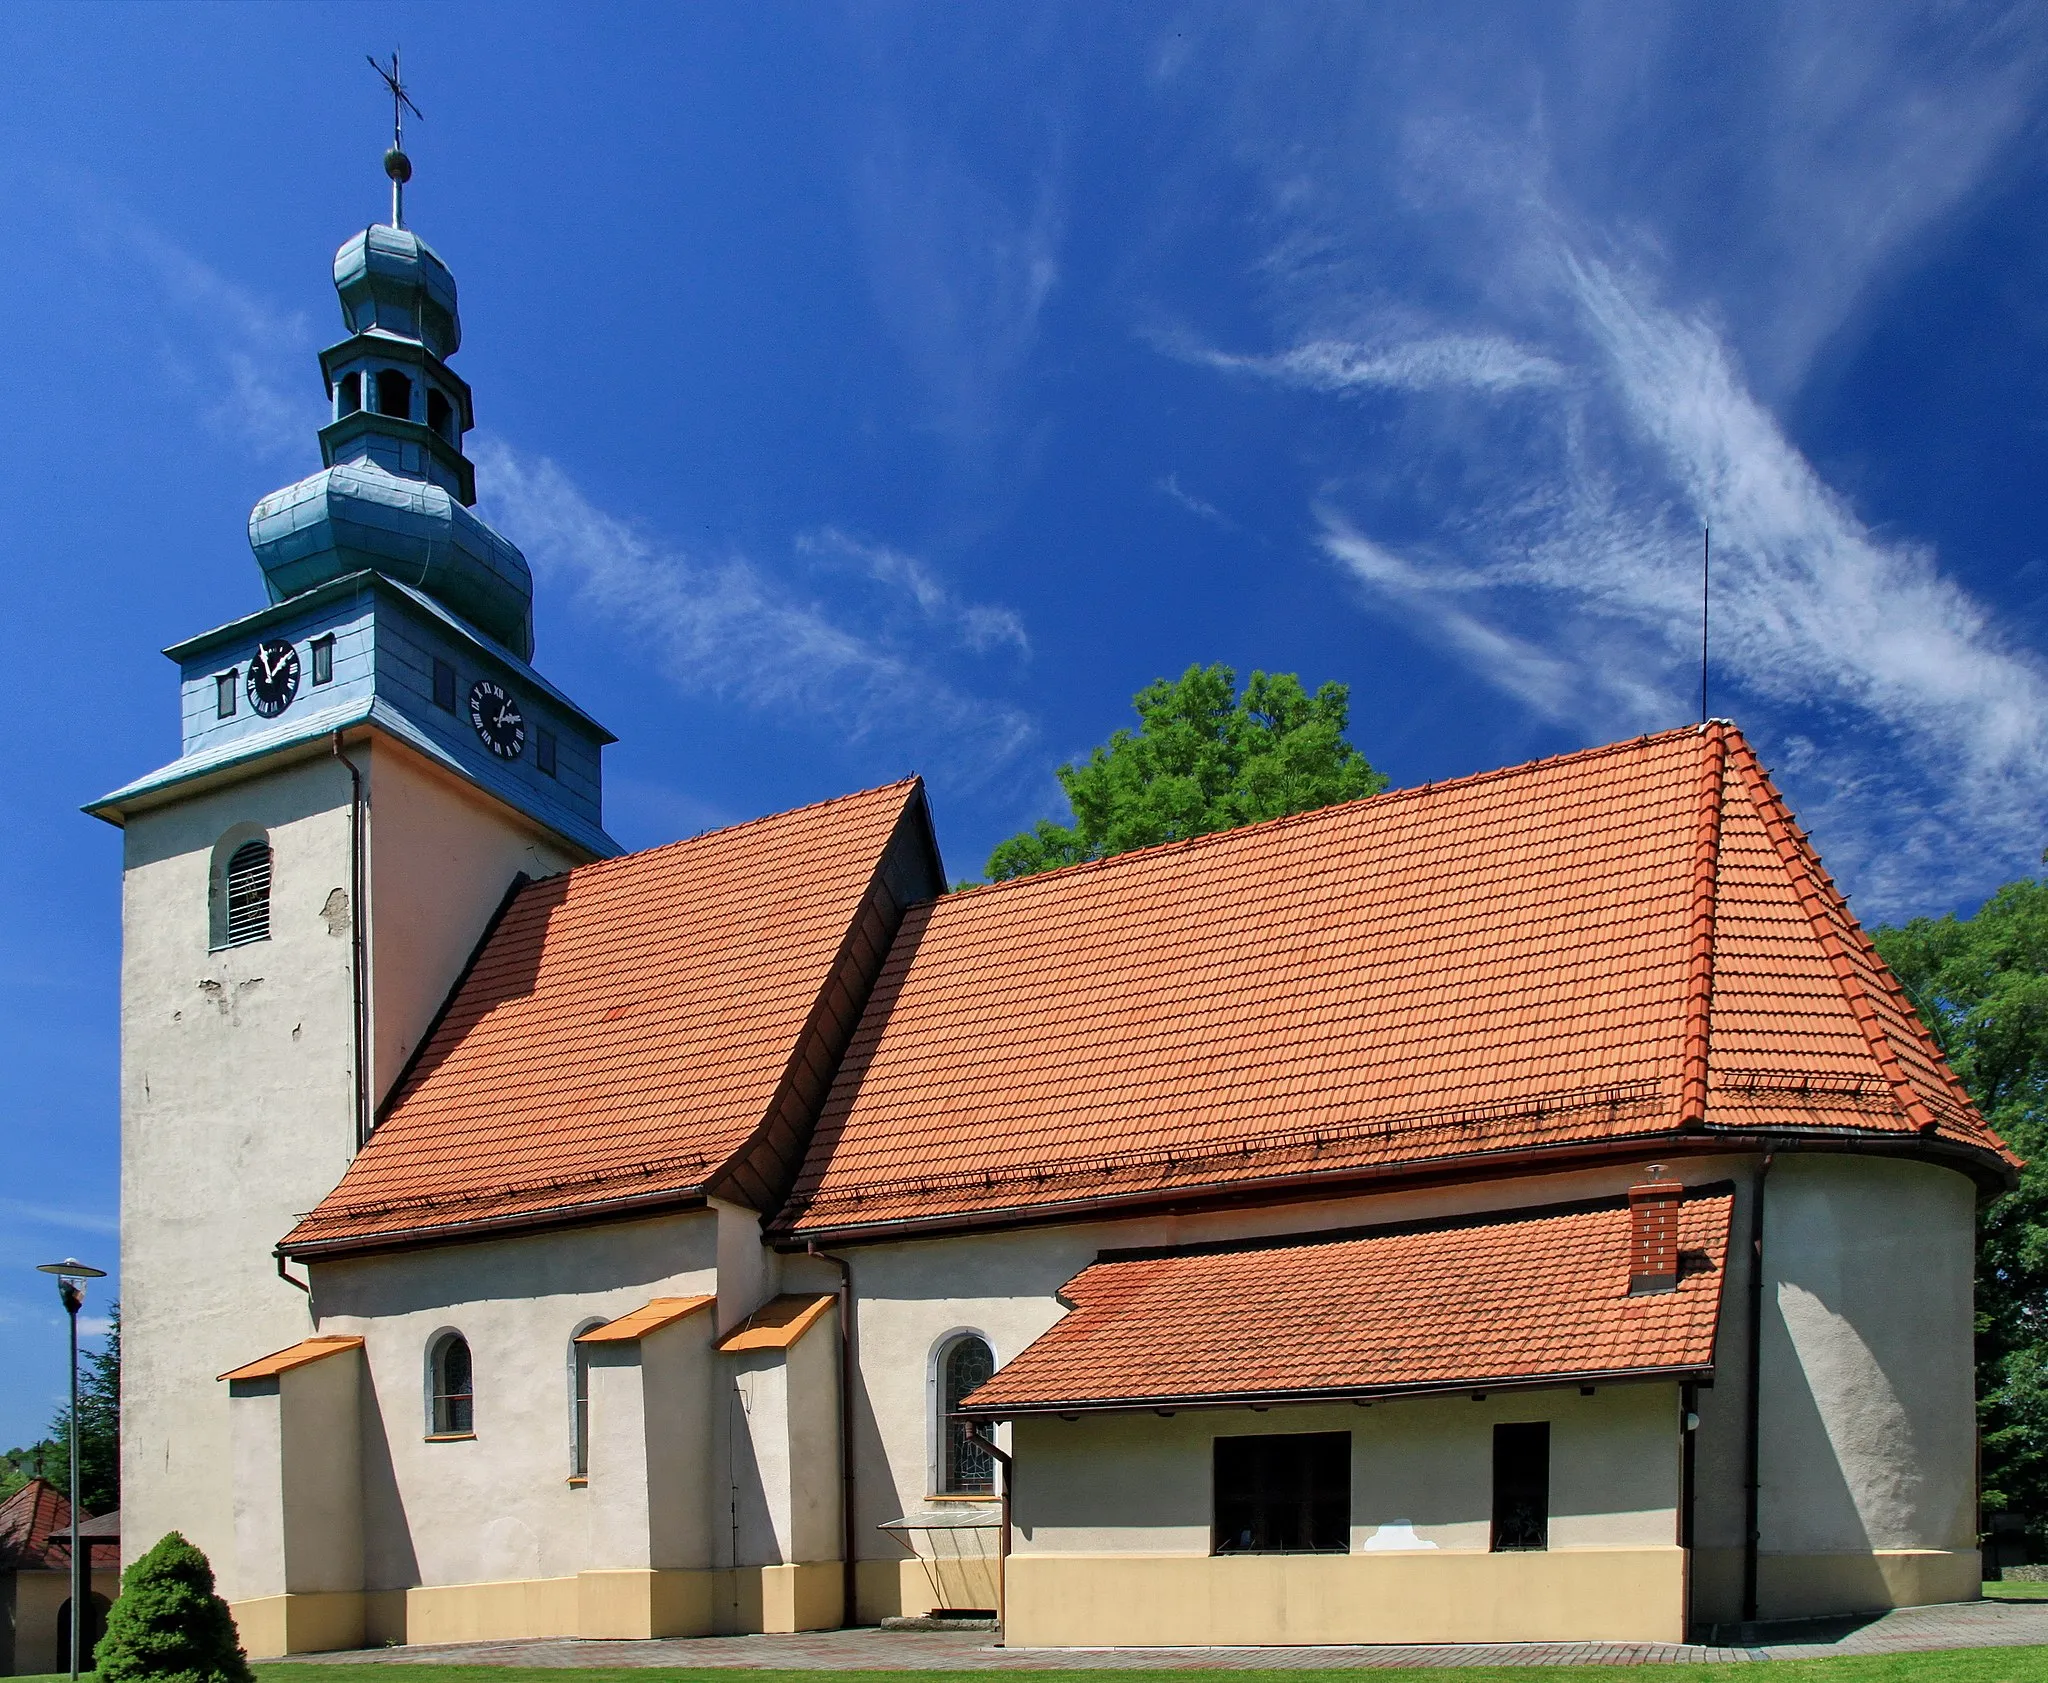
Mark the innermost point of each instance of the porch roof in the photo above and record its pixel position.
(1507, 1299)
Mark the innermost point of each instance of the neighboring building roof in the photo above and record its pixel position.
(1484, 1302)
(35, 1525)
(779, 1322)
(1629, 944)
(641, 1032)
(307, 1350)
(649, 1317)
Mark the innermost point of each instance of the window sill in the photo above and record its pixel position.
(578, 1483)
(962, 1496)
(448, 1437)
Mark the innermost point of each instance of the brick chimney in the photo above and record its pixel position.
(1653, 1233)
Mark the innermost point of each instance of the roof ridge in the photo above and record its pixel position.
(1411, 792)
(915, 779)
(1696, 1044)
(1820, 904)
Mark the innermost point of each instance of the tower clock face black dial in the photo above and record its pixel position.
(273, 677)
(498, 720)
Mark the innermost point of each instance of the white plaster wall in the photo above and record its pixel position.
(322, 1475)
(441, 855)
(236, 1114)
(813, 1434)
(256, 1413)
(500, 1505)
(1420, 1469)
(911, 1295)
(1869, 1426)
(747, 1269)
(238, 1068)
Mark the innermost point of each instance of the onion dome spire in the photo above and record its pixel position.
(394, 496)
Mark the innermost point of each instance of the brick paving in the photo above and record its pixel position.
(1968, 1624)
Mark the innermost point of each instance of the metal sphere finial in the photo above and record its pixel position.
(398, 166)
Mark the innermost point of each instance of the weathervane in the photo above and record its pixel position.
(396, 164)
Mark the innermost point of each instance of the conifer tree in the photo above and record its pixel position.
(169, 1626)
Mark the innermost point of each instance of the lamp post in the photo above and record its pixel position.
(71, 1277)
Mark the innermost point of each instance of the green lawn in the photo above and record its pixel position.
(2016, 1592)
(1955, 1665)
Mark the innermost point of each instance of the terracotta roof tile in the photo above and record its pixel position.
(1499, 1300)
(35, 1532)
(1580, 951)
(622, 1032)
(650, 1317)
(778, 1323)
(297, 1355)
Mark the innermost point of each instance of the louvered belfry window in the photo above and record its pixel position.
(249, 894)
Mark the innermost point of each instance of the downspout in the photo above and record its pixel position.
(357, 911)
(1752, 1476)
(1003, 1541)
(849, 1587)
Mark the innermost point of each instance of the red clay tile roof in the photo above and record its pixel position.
(1594, 950)
(1499, 1300)
(622, 1032)
(35, 1527)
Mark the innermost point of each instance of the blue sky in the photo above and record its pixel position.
(893, 387)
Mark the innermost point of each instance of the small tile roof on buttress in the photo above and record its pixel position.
(1621, 946)
(1498, 1300)
(623, 1032)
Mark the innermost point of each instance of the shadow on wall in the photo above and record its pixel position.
(389, 1560)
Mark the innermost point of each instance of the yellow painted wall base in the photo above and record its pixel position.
(616, 1605)
(1139, 1601)
(1798, 1586)
(889, 1588)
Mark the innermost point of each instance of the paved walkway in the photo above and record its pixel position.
(1970, 1624)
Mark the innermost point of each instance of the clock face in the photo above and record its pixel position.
(273, 677)
(498, 720)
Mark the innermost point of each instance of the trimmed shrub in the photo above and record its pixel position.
(169, 1626)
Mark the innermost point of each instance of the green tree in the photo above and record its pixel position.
(38, 1460)
(169, 1626)
(1981, 984)
(99, 1428)
(1203, 758)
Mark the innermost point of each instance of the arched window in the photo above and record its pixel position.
(579, 1403)
(241, 894)
(441, 414)
(394, 394)
(965, 1468)
(451, 1400)
(348, 395)
(95, 1627)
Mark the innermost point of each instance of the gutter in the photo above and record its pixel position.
(849, 1589)
(1699, 1373)
(1978, 1163)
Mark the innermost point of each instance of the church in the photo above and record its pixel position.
(1516, 1208)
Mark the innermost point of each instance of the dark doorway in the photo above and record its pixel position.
(95, 1623)
(1521, 1486)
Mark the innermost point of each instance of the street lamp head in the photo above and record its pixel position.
(72, 1268)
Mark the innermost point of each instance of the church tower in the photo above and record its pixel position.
(368, 764)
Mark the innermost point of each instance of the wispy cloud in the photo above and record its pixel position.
(980, 625)
(56, 1216)
(1943, 764)
(729, 626)
(1440, 362)
(243, 361)
(1171, 488)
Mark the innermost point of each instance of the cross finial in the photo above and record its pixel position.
(396, 164)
